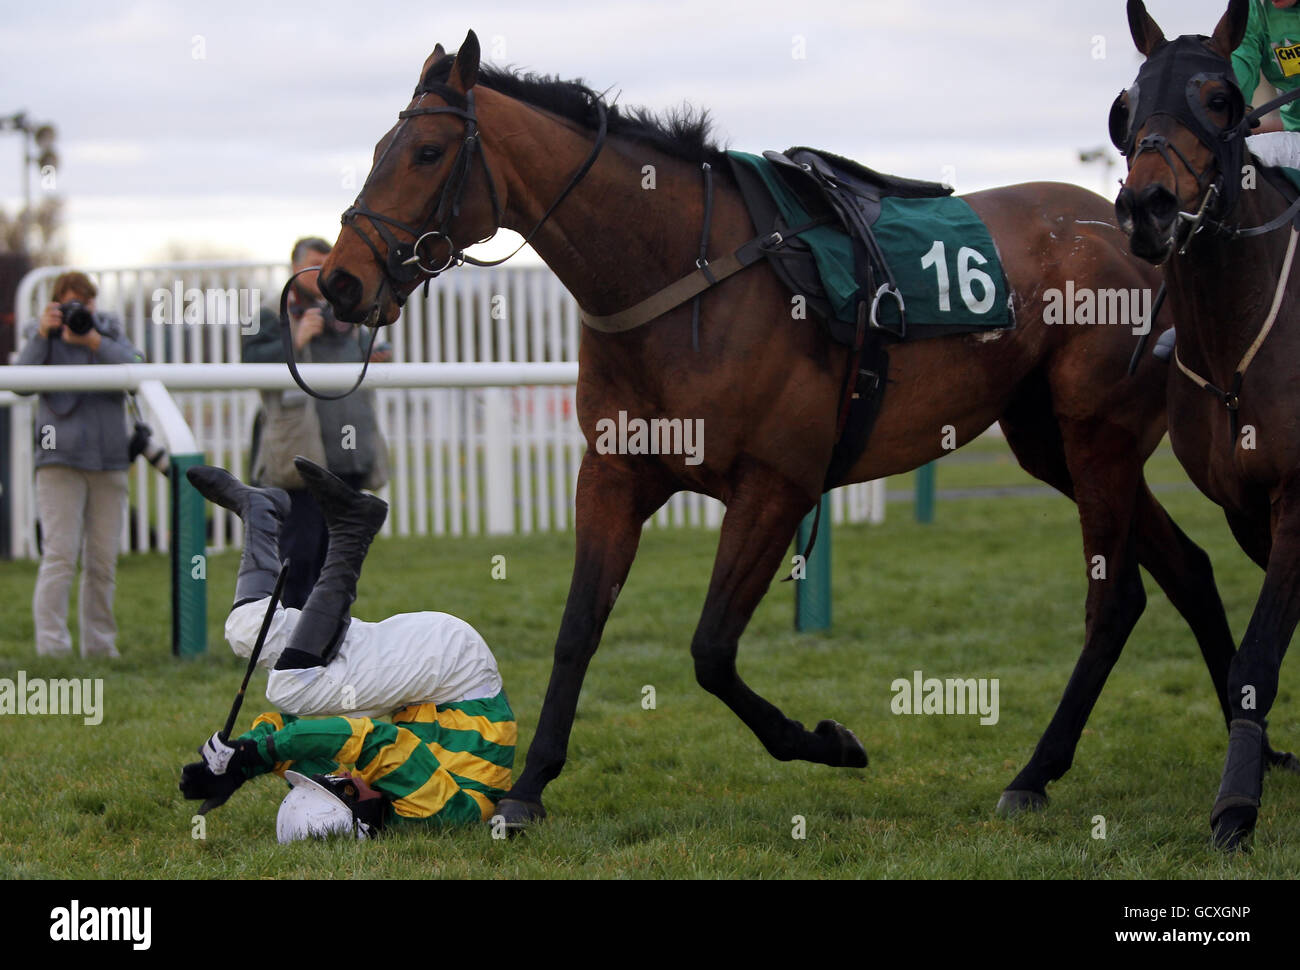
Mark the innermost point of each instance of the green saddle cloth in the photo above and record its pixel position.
(939, 251)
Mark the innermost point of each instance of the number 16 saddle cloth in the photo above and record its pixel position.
(906, 256)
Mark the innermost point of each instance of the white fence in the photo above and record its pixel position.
(444, 469)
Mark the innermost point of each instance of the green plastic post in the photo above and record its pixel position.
(189, 561)
(812, 593)
(925, 494)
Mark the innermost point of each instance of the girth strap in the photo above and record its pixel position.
(693, 284)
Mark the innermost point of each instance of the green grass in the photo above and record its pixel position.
(994, 589)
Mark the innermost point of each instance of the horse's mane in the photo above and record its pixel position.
(683, 132)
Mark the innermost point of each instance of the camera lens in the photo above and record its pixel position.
(77, 318)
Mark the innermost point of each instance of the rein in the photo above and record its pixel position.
(1231, 399)
(1214, 194)
(286, 344)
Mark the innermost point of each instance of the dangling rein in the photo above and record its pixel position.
(1231, 399)
(286, 342)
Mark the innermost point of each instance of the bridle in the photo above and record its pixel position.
(1155, 93)
(1160, 89)
(406, 261)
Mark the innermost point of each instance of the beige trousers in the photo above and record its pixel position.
(81, 512)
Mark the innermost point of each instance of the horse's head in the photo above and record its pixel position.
(1181, 127)
(430, 193)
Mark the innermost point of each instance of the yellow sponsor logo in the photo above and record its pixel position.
(1288, 59)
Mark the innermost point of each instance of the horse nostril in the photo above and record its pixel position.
(1124, 209)
(1160, 204)
(342, 289)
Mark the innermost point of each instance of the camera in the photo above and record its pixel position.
(333, 326)
(144, 443)
(77, 318)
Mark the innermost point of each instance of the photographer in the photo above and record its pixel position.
(341, 435)
(81, 457)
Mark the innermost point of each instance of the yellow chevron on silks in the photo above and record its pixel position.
(351, 749)
(272, 718)
(504, 733)
(392, 756)
(276, 721)
(1288, 59)
(429, 799)
(486, 806)
(417, 714)
(472, 766)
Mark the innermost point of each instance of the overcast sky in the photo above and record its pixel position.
(234, 127)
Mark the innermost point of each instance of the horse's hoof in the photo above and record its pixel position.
(849, 751)
(1233, 827)
(1014, 801)
(1282, 761)
(517, 816)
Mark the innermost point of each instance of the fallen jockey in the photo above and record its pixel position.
(447, 756)
(322, 660)
(425, 767)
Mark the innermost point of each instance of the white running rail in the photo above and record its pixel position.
(481, 383)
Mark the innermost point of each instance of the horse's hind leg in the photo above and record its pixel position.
(761, 518)
(1103, 471)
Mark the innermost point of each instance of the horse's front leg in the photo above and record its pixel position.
(612, 502)
(1253, 678)
(762, 515)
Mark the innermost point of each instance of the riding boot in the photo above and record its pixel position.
(262, 511)
(352, 519)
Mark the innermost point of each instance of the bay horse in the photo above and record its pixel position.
(480, 148)
(1222, 226)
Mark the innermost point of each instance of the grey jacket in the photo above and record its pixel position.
(84, 430)
(349, 428)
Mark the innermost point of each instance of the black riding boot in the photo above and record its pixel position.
(262, 510)
(352, 518)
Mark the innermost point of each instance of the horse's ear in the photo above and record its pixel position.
(1232, 28)
(465, 71)
(1146, 32)
(437, 55)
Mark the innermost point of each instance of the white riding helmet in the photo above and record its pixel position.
(311, 810)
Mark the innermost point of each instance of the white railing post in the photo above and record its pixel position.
(498, 466)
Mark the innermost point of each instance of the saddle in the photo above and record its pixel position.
(826, 184)
(853, 191)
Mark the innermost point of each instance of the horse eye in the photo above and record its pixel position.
(428, 154)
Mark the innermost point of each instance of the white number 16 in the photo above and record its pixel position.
(966, 276)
